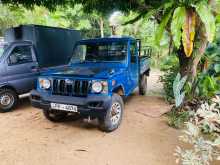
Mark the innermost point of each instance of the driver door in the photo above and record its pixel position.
(134, 72)
(22, 68)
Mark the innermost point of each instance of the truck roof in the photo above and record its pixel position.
(107, 39)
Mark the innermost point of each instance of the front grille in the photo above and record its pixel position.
(70, 87)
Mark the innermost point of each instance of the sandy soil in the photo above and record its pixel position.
(28, 138)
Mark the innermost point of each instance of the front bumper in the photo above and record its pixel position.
(93, 106)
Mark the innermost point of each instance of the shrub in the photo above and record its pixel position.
(203, 135)
(170, 67)
(176, 119)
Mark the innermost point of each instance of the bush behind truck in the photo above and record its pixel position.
(28, 51)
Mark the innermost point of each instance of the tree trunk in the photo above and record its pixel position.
(170, 45)
(189, 65)
(101, 24)
(113, 30)
(185, 62)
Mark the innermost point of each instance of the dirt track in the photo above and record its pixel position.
(27, 138)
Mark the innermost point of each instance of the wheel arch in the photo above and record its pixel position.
(147, 72)
(6, 86)
(119, 90)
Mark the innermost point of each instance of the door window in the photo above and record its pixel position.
(20, 55)
(133, 52)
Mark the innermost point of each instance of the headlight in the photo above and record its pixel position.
(100, 87)
(97, 87)
(44, 83)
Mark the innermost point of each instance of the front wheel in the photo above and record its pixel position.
(8, 100)
(143, 85)
(113, 116)
(55, 116)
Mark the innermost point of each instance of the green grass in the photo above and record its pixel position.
(176, 119)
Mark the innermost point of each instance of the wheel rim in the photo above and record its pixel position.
(115, 113)
(6, 100)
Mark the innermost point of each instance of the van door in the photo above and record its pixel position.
(22, 68)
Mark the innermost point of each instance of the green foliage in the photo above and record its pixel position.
(67, 17)
(176, 119)
(178, 9)
(178, 89)
(164, 8)
(205, 14)
(202, 136)
(170, 67)
(207, 86)
(177, 24)
(213, 56)
(208, 81)
(161, 28)
(11, 16)
(144, 29)
(217, 68)
(50, 4)
(7, 18)
(101, 6)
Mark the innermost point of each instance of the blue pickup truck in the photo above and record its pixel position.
(101, 73)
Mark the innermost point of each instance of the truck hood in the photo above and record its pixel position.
(96, 72)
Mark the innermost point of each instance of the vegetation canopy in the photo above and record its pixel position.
(190, 24)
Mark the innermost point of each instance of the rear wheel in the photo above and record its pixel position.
(8, 100)
(55, 116)
(113, 116)
(143, 85)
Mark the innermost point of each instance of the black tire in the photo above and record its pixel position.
(143, 85)
(106, 123)
(55, 116)
(8, 100)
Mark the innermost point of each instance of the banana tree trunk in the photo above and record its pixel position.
(189, 65)
(185, 62)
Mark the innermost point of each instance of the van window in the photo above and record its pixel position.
(20, 55)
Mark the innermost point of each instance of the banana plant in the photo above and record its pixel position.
(184, 17)
(192, 25)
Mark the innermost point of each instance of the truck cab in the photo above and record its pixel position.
(101, 73)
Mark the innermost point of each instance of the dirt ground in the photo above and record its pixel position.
(27, 138)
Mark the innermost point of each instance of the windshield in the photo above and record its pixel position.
(100, 52)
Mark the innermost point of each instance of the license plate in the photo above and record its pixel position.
(64, 107)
